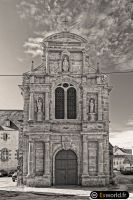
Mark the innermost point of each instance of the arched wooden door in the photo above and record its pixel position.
(66, 172)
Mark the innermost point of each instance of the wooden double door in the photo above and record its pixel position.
(66, 166)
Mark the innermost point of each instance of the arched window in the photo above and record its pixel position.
(59, 103)
(71, 103)
(65, 101)
(4, 154)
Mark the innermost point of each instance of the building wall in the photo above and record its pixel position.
(118, 162)
(119, 158)
(87, 135)
(12, 145)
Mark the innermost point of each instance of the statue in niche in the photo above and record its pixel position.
(65, 64)
(92, 114)
(92, 106)
(39, 106)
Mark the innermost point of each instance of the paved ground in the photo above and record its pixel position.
(125, 179)
(4, 195)
(10, 191)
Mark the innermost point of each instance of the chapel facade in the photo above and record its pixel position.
(66, 117)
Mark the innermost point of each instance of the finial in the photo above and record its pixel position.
(32, 66)
(98, 68)
(65, 21)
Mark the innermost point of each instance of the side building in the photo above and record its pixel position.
(9, 139)
(122, 157)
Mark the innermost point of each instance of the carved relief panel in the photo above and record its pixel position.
(54, 62)
(39, 107)
(76, 61)
(39, 158)
(39, 79)
(92, 106)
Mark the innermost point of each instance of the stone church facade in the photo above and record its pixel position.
(66, 117)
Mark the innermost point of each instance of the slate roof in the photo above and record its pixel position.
(13, 115)
(127, 151)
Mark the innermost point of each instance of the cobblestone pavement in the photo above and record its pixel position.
(9, 191)
(4, 195)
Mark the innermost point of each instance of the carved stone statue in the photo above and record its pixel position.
(65, 64)
(39, 105)
(92, 113)
(92, 106)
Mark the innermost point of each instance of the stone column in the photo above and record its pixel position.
(46, 106)
(83, 68)
(47, 64)
(25, 156)
(31, 159)
(100, 160)
(99, 106)
(47, 159)
(85, 117)
(31, 107)
(65, 104)
(85, 158)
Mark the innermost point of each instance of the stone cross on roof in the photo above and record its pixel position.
(65, 21)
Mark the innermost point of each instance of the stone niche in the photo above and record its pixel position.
(39, 107)
(92, 107)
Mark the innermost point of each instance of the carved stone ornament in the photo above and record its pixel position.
(66, 145)
(92, 117)
(39, 109)
(92, 105)
(65, 61)
(92, 113)
(65, 64)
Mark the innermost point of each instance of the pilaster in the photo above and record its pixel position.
(31, 107)
(31, 155)
(46, 106)
(85, 158)
(100, 159)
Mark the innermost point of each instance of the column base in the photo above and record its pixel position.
(38, 181)
(94, 181)
(30, 176)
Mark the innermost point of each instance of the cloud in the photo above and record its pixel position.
(106, 23)
(27, 9)
(122, 138)
(20, 59)
(130, 122)
(33, 46)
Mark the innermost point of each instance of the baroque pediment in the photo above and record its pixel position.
(65, 37)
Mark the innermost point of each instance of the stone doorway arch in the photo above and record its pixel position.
(66, 168)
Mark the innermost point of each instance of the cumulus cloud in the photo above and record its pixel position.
(122, 138)
(108, 24)
(130, 122)
(20, 59)
(33, 46)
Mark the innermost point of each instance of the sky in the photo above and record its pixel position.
(108, 26)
